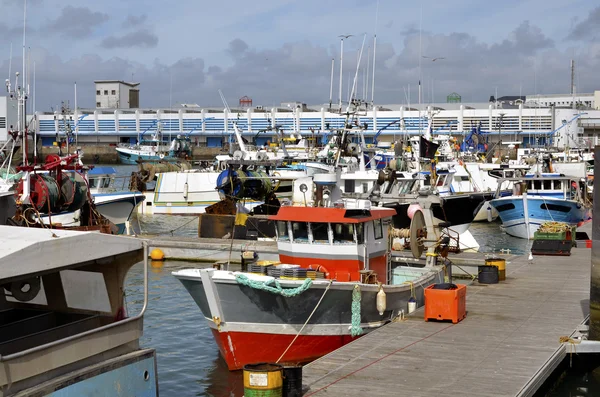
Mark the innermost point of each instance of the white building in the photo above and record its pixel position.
(583, 101)
(115, 94)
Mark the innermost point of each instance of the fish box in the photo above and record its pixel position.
(446, 304)
(551, 247)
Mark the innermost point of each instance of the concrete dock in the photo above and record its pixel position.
(506, 346)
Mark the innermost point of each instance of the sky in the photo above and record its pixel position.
(282, 51)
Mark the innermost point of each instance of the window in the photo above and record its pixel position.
(360, 233)
(537, 185)
(113, 92)
(320, 232)
(300, 231)
(282, 230)
(441, 180)
(505, 207)
(97, 92)
(557, 185)
(343, 233)
(349, 186)
(547, 185)
(377, 229)
(98, 104)
(554, 207)
(105, 92)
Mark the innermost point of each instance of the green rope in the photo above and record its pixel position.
(273, 286)
(356, 330)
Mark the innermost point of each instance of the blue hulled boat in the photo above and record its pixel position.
(542, 198)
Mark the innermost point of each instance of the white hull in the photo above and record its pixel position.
(484, 213)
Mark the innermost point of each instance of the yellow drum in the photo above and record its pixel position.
(500, 264)
(263, 380)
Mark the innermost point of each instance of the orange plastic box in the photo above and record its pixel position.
(441, 304)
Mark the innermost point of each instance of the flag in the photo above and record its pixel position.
(427, 148)
(240, 219)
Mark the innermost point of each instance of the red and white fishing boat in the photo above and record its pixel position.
(335, 283)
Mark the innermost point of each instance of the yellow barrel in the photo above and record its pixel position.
(500, 264)
(263, 380)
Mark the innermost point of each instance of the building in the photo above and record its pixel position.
(116, 94)
(582, 101)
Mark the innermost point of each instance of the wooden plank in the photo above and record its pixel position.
(510, 335)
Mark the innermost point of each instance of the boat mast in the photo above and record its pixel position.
(331, 85)
(374, 56)
(23, 95)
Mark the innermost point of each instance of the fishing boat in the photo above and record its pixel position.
(155, 149)
(540, 198)
(334, 282)
(64, 328)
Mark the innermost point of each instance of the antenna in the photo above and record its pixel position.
(10, 65)
(374, 55)
(331, 86)
(343, 36)
(356, 73)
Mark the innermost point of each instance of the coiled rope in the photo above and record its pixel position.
(273, 286)
(355, 329)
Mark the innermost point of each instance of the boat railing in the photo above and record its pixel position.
(39, 359)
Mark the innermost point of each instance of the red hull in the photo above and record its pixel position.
(252, 348)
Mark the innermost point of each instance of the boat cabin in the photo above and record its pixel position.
(342, 241)
(62, 311)
(550, 185)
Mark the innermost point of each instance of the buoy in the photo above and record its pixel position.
(414, 207)
(157, 255)
(381, 300)
(489, 213)
(412, 305)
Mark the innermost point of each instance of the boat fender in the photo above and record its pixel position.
(25, 290)
(185, 190)
(381, 300)
(489, 213)
(412, 304)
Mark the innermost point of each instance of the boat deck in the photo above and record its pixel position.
(506, 346)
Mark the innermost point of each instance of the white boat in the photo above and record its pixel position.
(64, 327)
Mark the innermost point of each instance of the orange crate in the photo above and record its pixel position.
(441, 304)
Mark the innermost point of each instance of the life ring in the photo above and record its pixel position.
(161, 156)
(323, 269)
(16, 289)
(278, 181)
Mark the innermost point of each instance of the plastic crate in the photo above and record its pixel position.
(446, 304)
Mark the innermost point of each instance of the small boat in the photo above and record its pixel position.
(333, 284)
(64, 326)
(155, 149)
(542, 198)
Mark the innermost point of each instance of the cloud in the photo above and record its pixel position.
(524, 60)
(10, 31)
(139, 38)
(587, 28)
(134, 20)
(76, 22)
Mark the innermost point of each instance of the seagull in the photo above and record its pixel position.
(433, 59)
(345, 36)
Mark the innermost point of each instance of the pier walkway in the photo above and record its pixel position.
(506, 346)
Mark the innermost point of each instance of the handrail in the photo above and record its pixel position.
(95, 330)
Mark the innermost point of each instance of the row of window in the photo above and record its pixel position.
(320, 232)
(112, 92)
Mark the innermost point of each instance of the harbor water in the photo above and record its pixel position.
(188, 359)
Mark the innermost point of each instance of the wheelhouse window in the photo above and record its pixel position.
(547, 185)
(378, 229)
(282, 230)
(537, 184)
(441, 180)
(92, 183)
(558, 185)
(300, 231)
(343, 233)
(320, 232)
(360, 233)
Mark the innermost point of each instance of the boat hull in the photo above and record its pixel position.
(522, 215)
(252, 325)
(131, 157)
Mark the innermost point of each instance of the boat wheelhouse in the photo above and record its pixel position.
(542, 198)
(321, 295)
(64, 327)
